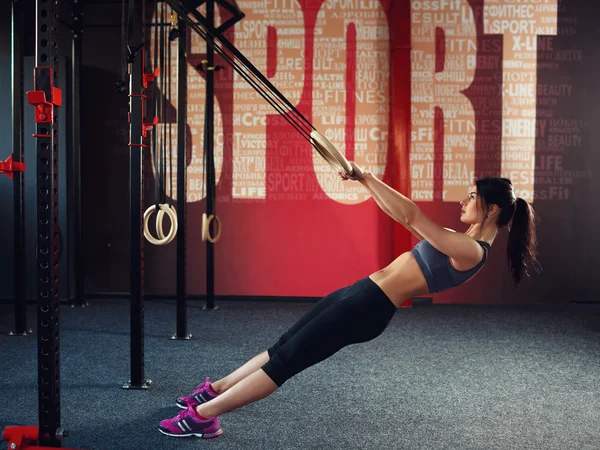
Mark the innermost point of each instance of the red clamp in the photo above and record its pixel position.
(150, 77)
(407, 303)
(8, 167)
(149, 126)
(22, 438)
(43, 107)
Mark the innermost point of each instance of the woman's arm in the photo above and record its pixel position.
(387, 211)
(400, 208)
(385, 196)
(456, 245)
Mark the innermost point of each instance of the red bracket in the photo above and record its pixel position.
(8, 167)
(43, 107)
(149, 126)
(21, 438)
(407, 303)
(150, 77)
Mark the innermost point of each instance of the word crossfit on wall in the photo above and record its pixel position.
(358, 27)
(520, 22)
(352, 94)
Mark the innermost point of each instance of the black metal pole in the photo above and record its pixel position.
(74, 162)
(45, 80)
(182, 183)
(18, 177)
(210, 160)
(136, 189)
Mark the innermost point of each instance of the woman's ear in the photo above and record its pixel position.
(494, 210)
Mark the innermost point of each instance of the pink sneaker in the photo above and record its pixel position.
(201, 394)
(187, 423)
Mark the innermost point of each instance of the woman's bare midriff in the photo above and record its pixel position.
(402, 279)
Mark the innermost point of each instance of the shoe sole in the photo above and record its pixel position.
(215, 434)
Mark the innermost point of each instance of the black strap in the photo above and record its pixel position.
(121, 85)
(156, 99)
(240, 63)
(163, 100)
(170, 145)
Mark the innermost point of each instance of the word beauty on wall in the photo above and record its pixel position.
(520, 22)
(350, 89)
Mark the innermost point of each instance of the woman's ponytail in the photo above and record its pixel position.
(522, 242)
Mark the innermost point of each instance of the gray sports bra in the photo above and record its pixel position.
(438, 271)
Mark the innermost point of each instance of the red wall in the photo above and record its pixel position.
(274, 247)
(299, 247)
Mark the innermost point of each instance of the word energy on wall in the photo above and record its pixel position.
(349, 86)
(348, 79)
(441, 84)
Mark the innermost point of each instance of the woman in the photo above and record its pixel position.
(441, 259)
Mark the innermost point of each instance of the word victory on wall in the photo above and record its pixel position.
(457, 115)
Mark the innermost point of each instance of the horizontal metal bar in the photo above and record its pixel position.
(115, 25)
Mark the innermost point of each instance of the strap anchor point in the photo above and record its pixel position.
(150, 77)
(148, 126)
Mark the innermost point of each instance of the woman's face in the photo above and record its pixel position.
(471, 210)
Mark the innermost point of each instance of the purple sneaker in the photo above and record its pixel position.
(201, 394)
(187, 423)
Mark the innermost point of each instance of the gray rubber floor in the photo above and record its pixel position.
(440, 377)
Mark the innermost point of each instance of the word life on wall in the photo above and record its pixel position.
(348, 79)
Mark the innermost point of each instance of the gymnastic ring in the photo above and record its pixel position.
(211, 239)
(206, 220)
(172, 216)
(328, 151)
(172, 231)
(204, 217)
(159, 219)
(159, 225)
(326, 155)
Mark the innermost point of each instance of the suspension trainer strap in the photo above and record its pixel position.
(121, 85)
(155, 96)
(169, 103)
(163, 89)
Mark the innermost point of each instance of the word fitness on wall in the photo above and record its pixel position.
(348, 98)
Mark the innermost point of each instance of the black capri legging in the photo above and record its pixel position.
(350, 315)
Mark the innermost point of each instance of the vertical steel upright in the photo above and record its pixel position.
(209, 152)
(181, 288)
(74, 160)
(46, 98)
(137, 83)
(18, 176)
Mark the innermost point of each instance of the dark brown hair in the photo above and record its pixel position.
(521, 220)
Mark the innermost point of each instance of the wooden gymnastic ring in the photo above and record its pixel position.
(204, 217)
(206, 220)
(172, 231)
(159, 225)
(329, 153)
